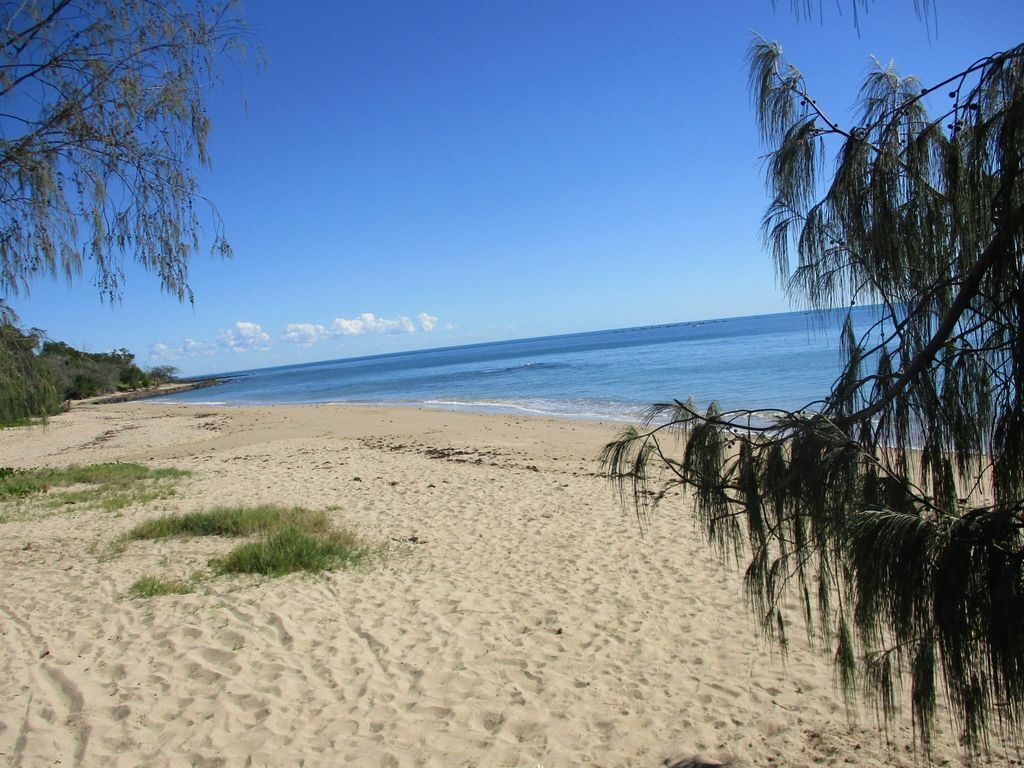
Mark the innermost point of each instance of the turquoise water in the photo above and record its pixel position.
(764, 361)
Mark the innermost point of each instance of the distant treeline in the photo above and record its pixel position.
(38, 376)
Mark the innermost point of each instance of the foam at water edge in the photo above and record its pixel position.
(165, 400)
(514, 407)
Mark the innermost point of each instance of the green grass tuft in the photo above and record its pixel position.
(290, 539)
(27, 421)
(231, 521)
(291, 548)
(110, 487)
(16, 483)
(152, 586)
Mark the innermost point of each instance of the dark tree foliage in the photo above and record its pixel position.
(102, 121)
(893, 508)
(81, 374)
(162, 374)
(27, 387)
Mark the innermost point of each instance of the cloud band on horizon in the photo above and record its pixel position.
(247, 336)
(306, 334)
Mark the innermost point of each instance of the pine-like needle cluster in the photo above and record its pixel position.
(894, 506)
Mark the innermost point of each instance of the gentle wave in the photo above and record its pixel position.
(768, 360)
(525, 367)
(211, 403)
(557, 409)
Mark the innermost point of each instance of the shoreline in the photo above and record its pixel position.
(761, 416)
(160, 390)
(519, 617)
(497, 410)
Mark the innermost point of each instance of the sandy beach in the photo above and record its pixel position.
(519, 617)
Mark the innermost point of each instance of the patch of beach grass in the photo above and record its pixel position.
(232, 522)
(290, 549)
(16, 483)
(111, 475)
(106, 499)
(153, 586)
(289, 539)
(108, 486)
(27, 421)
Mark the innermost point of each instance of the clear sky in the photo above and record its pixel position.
(411, 174)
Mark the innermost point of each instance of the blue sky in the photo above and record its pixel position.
(409, 175)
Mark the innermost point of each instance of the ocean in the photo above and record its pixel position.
(759, 362)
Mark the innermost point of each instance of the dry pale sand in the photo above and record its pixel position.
(532, 625)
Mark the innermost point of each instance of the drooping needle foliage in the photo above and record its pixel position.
(893, 507)
(27, 387)
(103, 120)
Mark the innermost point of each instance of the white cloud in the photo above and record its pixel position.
(304, 334)
(370, 323)
(244, 337)
(450, 326)
(400, 324)
(247, 336)
(193, 347)
(162, 352)
(354, 327)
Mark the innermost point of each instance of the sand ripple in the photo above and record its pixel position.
(519, 620)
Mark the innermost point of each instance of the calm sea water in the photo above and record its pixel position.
(782, 360)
